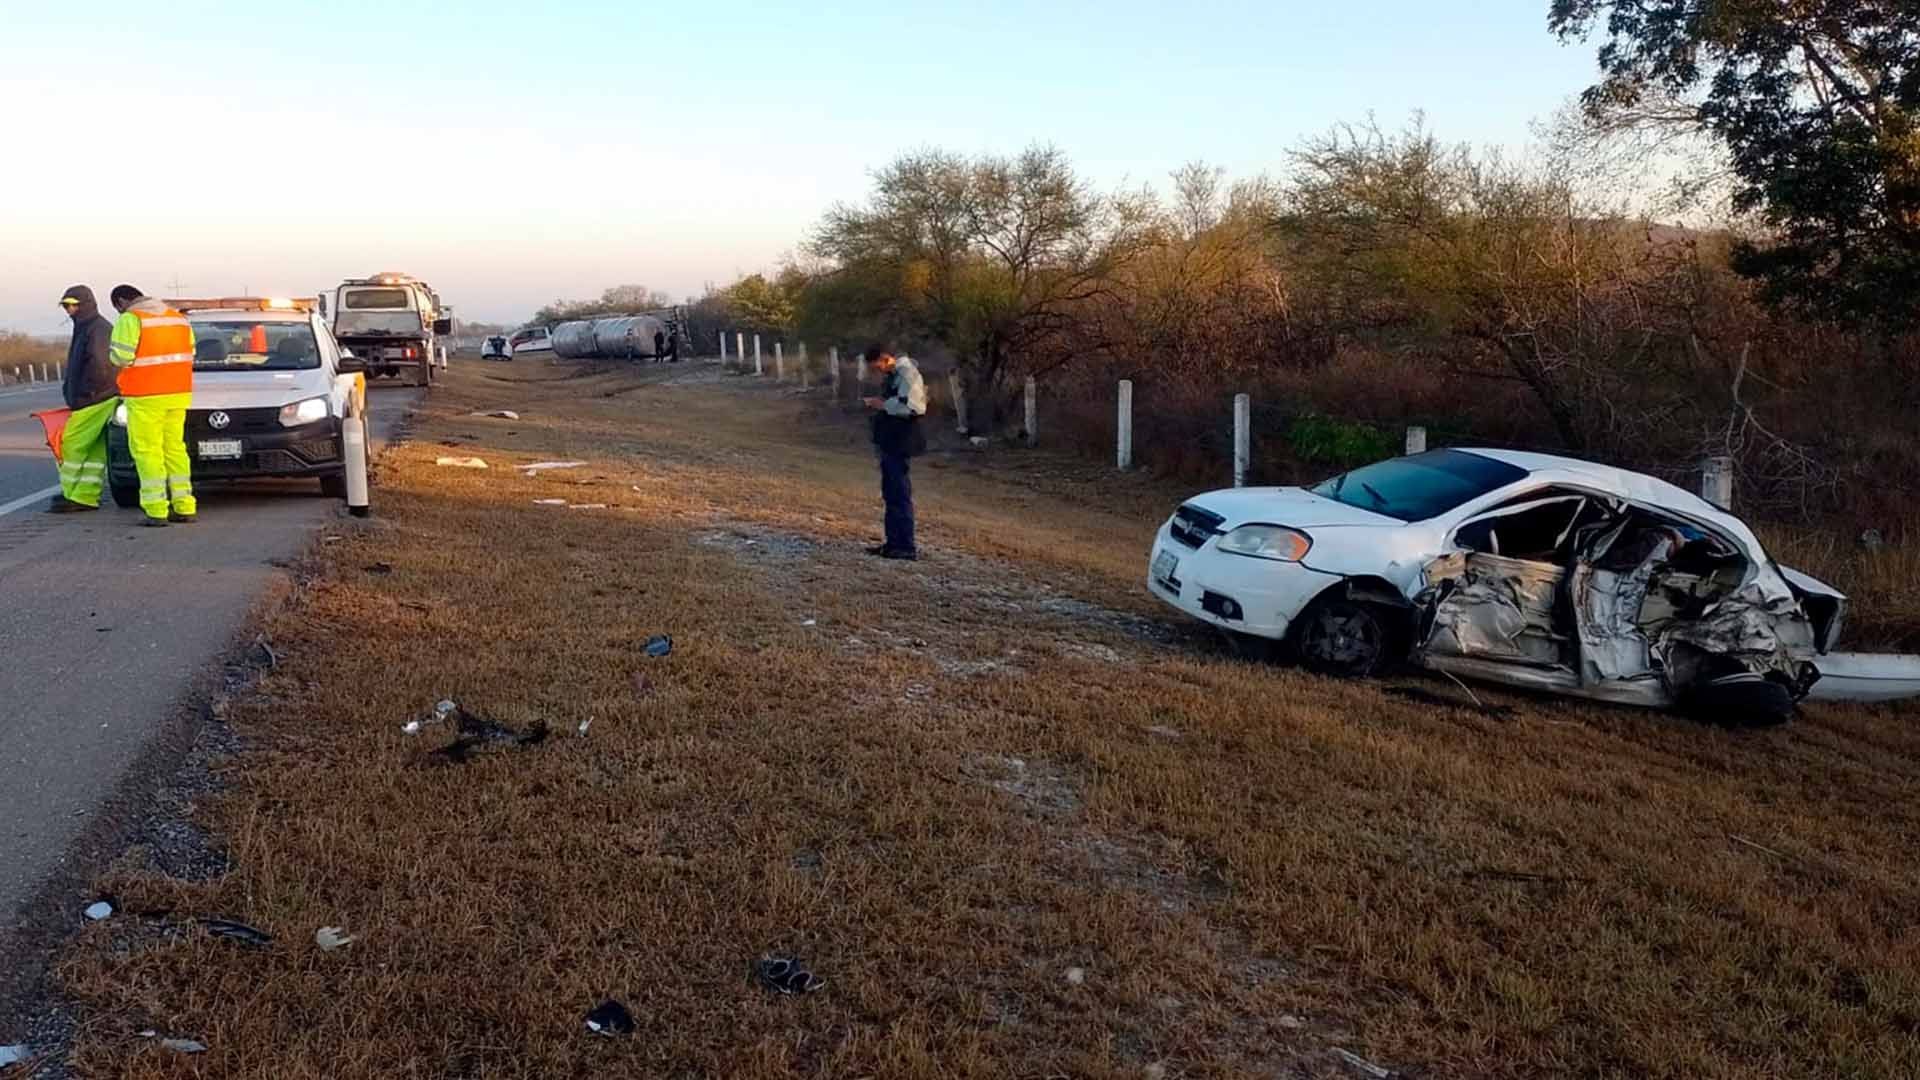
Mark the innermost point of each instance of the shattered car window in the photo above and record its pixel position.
(1422, 486)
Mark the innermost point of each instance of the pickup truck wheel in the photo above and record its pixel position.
(1339, 637)
(334, 485)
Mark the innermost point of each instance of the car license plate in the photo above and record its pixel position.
(219, 448)
(1164, 567)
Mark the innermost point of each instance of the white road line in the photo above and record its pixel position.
(39, 388)
(28, 500)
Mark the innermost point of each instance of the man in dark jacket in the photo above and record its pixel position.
(92, 393)
(898, 439)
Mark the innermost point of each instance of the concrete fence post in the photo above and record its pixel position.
(739, 347)
(833, 369)
(959, 401)
(1242, 438)
(1416, 440)
(779, 362)
(757, 369)
(723, 346)
(1033, 411)
(1123, 436)
(806, 375)
(1716, 481)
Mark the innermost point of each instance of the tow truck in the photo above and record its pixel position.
(269, 397)
(390, 322)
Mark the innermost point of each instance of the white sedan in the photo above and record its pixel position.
(1527, 569)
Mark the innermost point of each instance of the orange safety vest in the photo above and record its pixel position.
(163, 361)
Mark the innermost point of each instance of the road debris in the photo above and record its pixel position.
(1362, 1065)
(13, 1055)
(460, 462)
(543, 466)
(98, 910)
(444, 708)
(659, 645)
(411, 727)
(610, 1018)
(586, 506)
(498, 414)
(809, 622)
(330, 938)
(549, 502)
(787, 976)
(184, 1046)
(476, 731)
(237, 932)
(1076, 976)
(1292, 1023)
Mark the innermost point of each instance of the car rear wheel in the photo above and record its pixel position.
(334, 485)
(1340, 637)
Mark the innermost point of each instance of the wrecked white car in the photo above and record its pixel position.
(1526, 569)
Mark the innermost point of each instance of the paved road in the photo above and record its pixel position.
(105, 624)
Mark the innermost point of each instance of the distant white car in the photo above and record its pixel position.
(529, 339)
(496, 348)
(1527, 569)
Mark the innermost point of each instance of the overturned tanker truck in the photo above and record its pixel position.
(616, 337)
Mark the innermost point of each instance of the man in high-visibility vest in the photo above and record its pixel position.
(152, 345)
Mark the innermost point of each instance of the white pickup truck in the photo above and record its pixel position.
(269, 398)
(390, 322)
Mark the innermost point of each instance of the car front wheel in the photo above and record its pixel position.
(1339, 637)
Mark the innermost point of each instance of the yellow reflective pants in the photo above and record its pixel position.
(83, 452)
(157, 438)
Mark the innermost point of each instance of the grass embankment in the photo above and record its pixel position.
(1020, 824)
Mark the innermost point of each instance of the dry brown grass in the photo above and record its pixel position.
(965, 778)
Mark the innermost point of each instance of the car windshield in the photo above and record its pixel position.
(1422, 486)
(241, 344)
(376, 300)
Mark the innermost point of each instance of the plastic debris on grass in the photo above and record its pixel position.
(543, 466)
(498, 414)
(460, 462)
(13, 1055)
(1076, 976)
(549, 502)
(239, 933)
(98, 910)
(330, 938)
(586, 506)
(610, 1018)
(1362, 1065)
(584, 725)
(659, 645)
(476, 732)
(786, 975)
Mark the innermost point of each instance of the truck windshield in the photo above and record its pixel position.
(1422, 486)
(241, 344)
(377, 300)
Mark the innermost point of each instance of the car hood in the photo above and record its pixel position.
(1291, 506)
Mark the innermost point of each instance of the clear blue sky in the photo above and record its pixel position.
(512, 153)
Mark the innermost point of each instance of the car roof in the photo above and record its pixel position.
(250, 314)
(1636, 486)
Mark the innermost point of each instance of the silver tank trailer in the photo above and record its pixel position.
(574, 340)
(625, 337)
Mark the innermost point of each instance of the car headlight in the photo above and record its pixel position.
(120, 415)
(1276, 542)
(303, 412)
